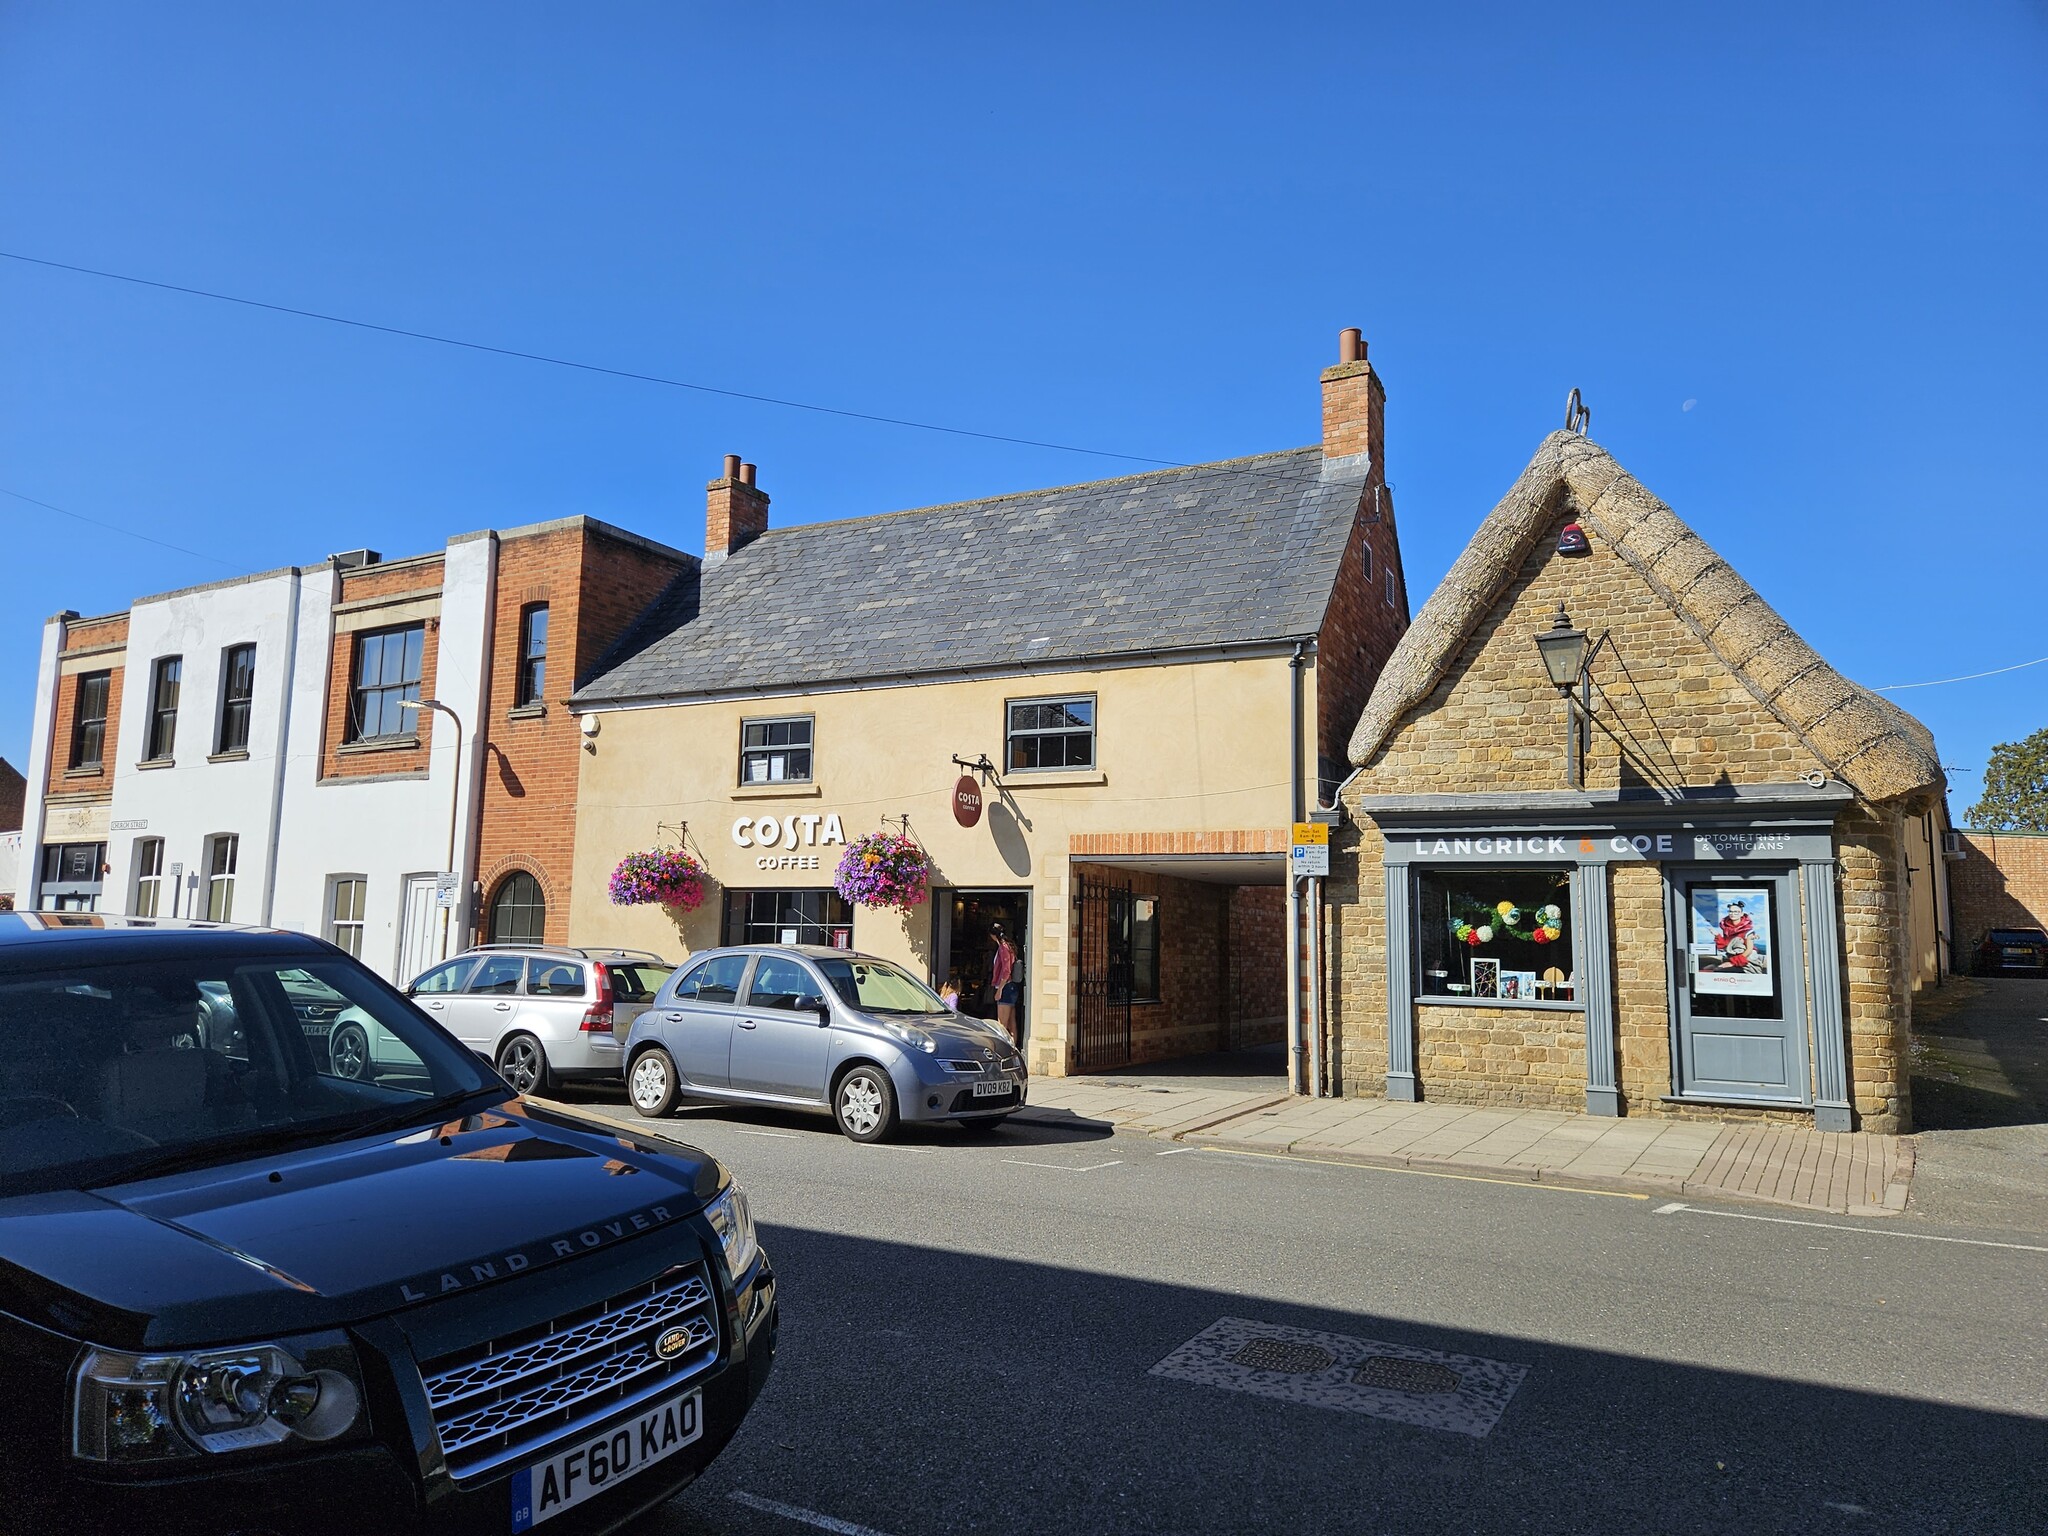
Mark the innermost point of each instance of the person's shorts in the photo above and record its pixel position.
(1011, 992)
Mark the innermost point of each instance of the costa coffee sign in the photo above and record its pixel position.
(967, 801)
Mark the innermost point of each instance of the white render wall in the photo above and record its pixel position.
(197, 797)
(384, 829)
(37, 768)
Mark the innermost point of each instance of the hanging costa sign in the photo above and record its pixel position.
(967, 801)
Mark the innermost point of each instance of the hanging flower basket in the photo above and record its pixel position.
(668, 877)
(884, 869)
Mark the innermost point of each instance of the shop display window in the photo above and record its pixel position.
(788, 917)
(1495, 936)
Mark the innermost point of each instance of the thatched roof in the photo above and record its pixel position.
(1868, 742)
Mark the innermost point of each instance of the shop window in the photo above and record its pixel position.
(533, 653)
(149, 877)
(71, 876)
(386, 677)
(166, 678)
(1134, 944)
(89, 721)
(222, 854)
(1050, 733)
(1495, 935)
(346, 894)
(519, 911)
(788, 917)
(776, 751)
(237, 690)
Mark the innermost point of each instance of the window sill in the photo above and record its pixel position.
(149, 763)
(378, 744)
(527, 712)
(87, 771)
(239, 755)
(780, 789)
(1054, 778)
(1534, 1005)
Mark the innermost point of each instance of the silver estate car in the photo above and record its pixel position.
(542, 1015)
(802, 1027)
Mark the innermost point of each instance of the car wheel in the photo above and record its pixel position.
(651, 1083)
(864, 1104)
(983, 1127)
(348, 1051)
(523, 1064)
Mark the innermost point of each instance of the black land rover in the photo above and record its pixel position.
(239, 1293)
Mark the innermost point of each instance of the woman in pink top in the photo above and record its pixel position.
(1002, 975)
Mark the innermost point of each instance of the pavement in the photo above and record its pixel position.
(1859, 1174)
(1074, 1327)
(1980, 1102)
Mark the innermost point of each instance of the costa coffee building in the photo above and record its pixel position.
(1618, 840)
(1096, 709)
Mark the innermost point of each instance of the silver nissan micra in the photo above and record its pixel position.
(802, 1027)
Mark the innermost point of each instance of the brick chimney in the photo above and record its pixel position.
(1354, 405)
(735, 511)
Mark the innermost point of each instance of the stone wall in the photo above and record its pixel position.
(2001, 881)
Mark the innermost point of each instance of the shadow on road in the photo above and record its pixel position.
(1980, 1054)
(922, 1391)
(1033, 1126)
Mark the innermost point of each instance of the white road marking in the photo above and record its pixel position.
(1428, 1173)
(739, 1130)
(1064, 1167)
(1666, 1210)
(1836, 1226)
(808, 1517)
(1175, 1151)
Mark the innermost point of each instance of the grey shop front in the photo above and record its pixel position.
(1506, 904)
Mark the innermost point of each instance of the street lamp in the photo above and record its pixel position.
(454, 805)
(1564, 658)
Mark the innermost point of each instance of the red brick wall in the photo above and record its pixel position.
(13, 796)
(594, 586)
(2002, 882)
(1360, 629)
(1258, 963)
(378, 581)
(87, 635)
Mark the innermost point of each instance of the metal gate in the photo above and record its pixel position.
(1102, 981)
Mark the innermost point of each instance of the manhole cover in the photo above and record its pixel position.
(1390, 1373)
(1279, 1355)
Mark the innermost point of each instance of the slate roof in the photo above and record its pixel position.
(1222, 554)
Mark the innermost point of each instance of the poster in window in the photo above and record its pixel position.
(1731, 941)
(1519, 985)
(1485, 978)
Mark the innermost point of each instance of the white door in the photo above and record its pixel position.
(419, 935)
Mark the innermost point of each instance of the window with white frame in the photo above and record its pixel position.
(386, 677)
(345, 913)
(149, 877)
(1050, 733)
(776, 751)
(221, 855)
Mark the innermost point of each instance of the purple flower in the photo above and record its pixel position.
(669, 877)
(884, 869)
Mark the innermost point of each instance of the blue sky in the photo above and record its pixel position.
(1792, 254)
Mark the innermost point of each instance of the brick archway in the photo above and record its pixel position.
(494, 883)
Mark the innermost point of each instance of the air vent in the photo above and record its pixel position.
(355, 559)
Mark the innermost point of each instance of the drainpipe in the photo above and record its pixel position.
(1297, 1081)
(284, 736)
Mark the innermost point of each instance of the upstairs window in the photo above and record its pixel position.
(165, 680)
(89, 720)
(387, 675)
(1051, 733)
(533, 653)
(776, 751)
(237, 688)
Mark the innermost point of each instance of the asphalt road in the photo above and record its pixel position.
(970, 1329)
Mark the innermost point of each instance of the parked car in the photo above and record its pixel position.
(239, 1290)
(543, 1015)
(2010, 951)
(822, 1029)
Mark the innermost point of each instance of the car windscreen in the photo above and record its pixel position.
(116, 1070)
(638, 983)
(875, 986)
(2017, 936)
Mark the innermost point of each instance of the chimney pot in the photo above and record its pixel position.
(1354, 405)
(746, 474)
(732, 466)
(1351, 346)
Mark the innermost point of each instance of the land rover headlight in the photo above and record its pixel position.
(138, 1408)
(734, 1223)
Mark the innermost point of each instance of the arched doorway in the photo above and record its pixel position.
(519, 912)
